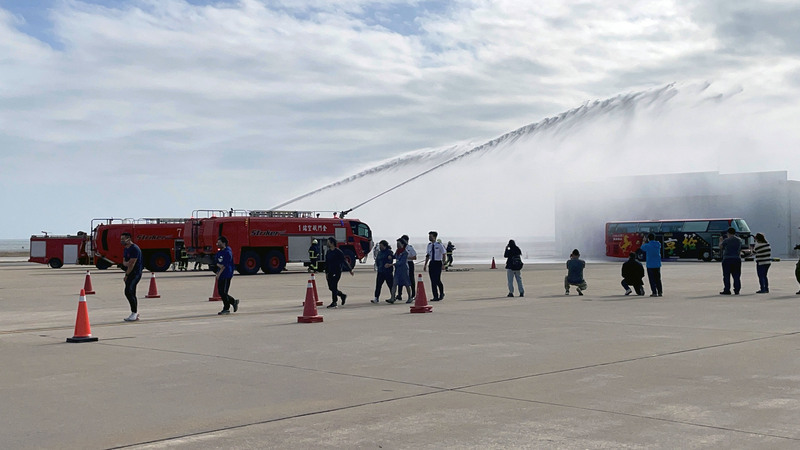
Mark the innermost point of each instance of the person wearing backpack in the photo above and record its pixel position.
(513, 256)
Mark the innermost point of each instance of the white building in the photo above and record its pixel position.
(768, 201)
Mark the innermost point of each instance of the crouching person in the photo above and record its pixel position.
(633, 275)
(574, 276)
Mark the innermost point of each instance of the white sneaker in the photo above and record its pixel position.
(628, 291)
(375, 300)
(132, 318)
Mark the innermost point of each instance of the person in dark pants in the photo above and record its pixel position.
(385, 274)
(334, 261)
(652, 251)
(435, 254)
(224, 259)
(731, 248)
(449, 260)
(633, 275)
(412, 256)
(763, 255)
(132, 261)
(313, 256)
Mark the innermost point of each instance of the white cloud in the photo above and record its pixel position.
(276, 98)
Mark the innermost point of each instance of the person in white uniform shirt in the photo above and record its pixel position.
(435, 254)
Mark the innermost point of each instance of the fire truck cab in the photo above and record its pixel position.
(267, 240)
(161, 241)
(56, 251)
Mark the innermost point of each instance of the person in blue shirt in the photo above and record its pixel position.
(224, 260)
(132, 261)
(383, 263)
(401, 278)
(652, 251)
(574, 276)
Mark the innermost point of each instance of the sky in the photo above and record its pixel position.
(156, 108)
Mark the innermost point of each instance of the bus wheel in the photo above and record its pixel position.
(158, 261)
(706, 255)
(350, 257)
(249, 263)
(274, 262)
(102, 264)
(55, 263)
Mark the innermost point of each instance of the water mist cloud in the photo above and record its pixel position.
(506, 186)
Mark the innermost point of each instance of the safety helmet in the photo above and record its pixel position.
(314, 241)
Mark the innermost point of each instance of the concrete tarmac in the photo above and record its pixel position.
(692, 369)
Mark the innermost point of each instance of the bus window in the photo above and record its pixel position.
(623, 228)
(718, 225)
(695, 226)
(649, 227)
(740, 225)
(671, 227)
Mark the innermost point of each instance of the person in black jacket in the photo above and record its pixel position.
(633, 275)
(513, 256)
(334, 262)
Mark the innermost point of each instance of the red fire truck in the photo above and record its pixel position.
(59, 250)
(160, 239)
(267, 240)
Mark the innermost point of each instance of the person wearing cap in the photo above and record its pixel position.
(400, 264)
(435, 254)
(384, 267)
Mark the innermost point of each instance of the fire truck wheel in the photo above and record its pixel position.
(55, 263)
(350, 257)
(274, 262)
(706, 255)
(158, 261)
(249, 263)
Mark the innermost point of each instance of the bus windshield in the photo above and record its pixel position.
(741, 225)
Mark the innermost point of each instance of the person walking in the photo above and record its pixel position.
(731, 248)
(132, 261)
(633, 275)
(401, 278)
(450, 247)
(513, 256)
(435, 254)
(334, 262)
(412, 256)
(763, 255)
(385, 270)
(652, 251)
(224, 260)
(574, 276)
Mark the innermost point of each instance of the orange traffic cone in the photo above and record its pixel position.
(87, 285)
(494, 266)
(215, 294)
(314, 285)
(153, 293)
(421, 303)
(83, 331)
(310, 314)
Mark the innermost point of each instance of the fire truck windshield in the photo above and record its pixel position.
(360, 229)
